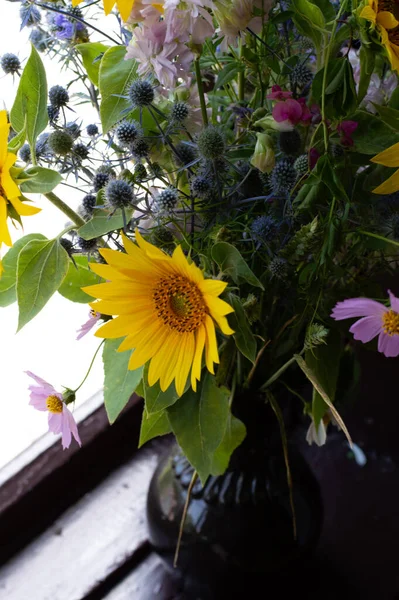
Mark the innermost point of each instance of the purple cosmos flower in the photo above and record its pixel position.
(376, 319)
(60, 419)
(85, 328)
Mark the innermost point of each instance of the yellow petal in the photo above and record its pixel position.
(4, 233)
(107, 291)
(114, 307)
(10, 187)
(149, 249)
(24, 208)
(217, 306)
(200, 336)
(389, 186)
(386, 20)
(125, 8)
(163, 361)
(184, 362)
(191, 271)
(3, 118)
(76, 2)
(151, 340)
(388, 157)
(170, 367)
(369, 14)
(223, 324)
(108, 6)
(118, 327)
(212, 286)
(211, 348)
(107, 272)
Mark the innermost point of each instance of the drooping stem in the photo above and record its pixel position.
(90, 366)
(201, 91)
(60, 204)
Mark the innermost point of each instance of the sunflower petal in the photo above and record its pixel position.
(389, 186)
(4, 232)
(386, 19)
(23, 208)
(211, 348)
(214, 287)
(149, 249)
(217, 306)
(388, 157)
(200, 336)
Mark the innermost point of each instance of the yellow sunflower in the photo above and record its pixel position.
(383, 13)
(166, 309)
(125, 7)
(388, 158)
(10, 204)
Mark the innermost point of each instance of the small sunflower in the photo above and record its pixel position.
(166, 309)
(10, 203)
(383, 14)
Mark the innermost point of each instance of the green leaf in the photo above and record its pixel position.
(388, 115)
(372, 134)
(309, 20)
(228, 73)
(243, 336)
(8, 293)
(198, 420)
(153, 426)
(156, 400)
(30, 105)
(42, 266)
(324, 361)
(233, 265)
(318, 388)
(233, 436)
(367, 63)
(119, 382)
(326, 8)
(41, 180)
(102, 223)
(116, 77)
(17, 141)
(76, 278)
(91, 56)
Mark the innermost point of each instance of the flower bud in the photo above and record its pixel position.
(263, 156)
(267, 123)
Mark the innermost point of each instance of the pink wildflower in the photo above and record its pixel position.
(60, 419)
(345, 129)
(85, 328)
(376, 319)
(278, 94)
(314, 156)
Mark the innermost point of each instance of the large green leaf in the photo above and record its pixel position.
(233, 436)
(119, 381)
(199, 420)
(153, 426)
(42, 266)
(309, 20)
(102, 223)
(41, 180)
(77, 277)
(30, 105)
(156, 400)
(243, 335)
(324, 361)
(92, 53)
(8, 293)
(116, 76)
(233, 265)
(372, 134)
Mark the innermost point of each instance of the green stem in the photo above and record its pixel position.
(280, 371)
(201, 91)
(89, 369)
(65, 209)
(241, 76)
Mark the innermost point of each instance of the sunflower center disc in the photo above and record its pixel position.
(179, 303)
(54, 404)
(390, 322)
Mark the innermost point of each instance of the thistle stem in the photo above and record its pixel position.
(60, 204)
(201, 91)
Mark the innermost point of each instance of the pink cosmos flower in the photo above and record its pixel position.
(278, 94)
(376, 319)
(60, 419)
(85, 328)
(345, 129)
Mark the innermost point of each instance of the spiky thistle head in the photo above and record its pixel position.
(141, 93)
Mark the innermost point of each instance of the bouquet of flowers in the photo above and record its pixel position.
(237, 203)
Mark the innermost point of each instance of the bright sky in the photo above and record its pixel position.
(47, 345)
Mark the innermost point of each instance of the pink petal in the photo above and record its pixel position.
(72, 425)
(85, 328)
(388, 344)
(357, 307)
(66, 430)
(38, 380)
(394, 301)
(280, 112)
(38, 401)
(367, 328)
(55, 422)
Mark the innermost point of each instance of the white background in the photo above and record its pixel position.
(47, 345)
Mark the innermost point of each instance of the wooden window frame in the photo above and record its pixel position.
(47, 482)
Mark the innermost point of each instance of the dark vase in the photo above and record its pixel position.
(239, 526)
